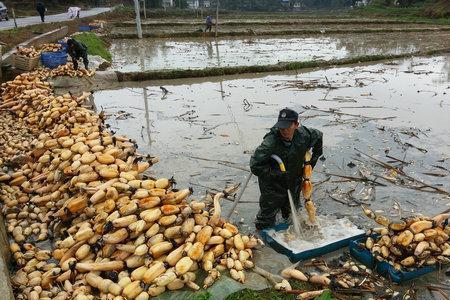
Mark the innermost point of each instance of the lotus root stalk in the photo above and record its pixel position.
(307, 188)
(68, 180)
(411, 242)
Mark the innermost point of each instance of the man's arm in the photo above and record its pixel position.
(71, 52)
(260, 160)
(316, 145)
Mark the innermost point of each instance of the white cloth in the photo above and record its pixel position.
(73, 11)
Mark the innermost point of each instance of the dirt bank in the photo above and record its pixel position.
(13, 37)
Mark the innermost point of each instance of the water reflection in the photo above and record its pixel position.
(209, 49)
(199, 52)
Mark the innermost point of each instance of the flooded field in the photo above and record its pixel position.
(198, 53)
(204, 132)
(201, 129)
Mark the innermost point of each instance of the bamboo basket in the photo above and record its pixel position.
(25, 63)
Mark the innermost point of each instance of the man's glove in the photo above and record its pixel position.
(281, 177)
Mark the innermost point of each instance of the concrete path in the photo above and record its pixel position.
(21, 22)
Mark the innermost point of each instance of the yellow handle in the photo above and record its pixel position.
(280, 162)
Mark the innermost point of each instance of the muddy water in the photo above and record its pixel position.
(198, 53)
(200, 124)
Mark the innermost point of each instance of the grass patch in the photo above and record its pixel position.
(272, 294)
(95, 45)
(16, 36)
(423, 12)
(204, 295)
(421, 19)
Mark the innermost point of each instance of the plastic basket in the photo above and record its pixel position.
(52, 60)
(85, 28)
(383, 268)
(304, 255)
(25, 63)
(64, 46)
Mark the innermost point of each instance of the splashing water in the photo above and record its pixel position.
(294, 215)
(327, 230)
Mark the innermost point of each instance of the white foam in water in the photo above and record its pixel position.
(328, 230)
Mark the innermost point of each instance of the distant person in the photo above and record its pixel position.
(74, 12)
(41, 10)
(208, 23)
(76, 51)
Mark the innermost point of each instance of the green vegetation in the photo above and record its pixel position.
(440, 9)
(95, 45)
(205, 295)
(125, 9)
(423, 11)
(272, 294)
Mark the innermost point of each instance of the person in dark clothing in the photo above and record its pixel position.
(290, 141)
(41, 10)
(208, 23)
(77, 50)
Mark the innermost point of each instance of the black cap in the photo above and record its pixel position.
(286, 117)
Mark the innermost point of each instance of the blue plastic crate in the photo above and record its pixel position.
(294, 257)
(52, 60)
(383, 268)
(64, 45)
(84, 28)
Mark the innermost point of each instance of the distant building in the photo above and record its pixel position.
(285, 3)
(167, 3)
(292, 4)
(361, 3)
(195, 4)
(296, 4)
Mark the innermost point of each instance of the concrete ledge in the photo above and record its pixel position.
(51, 36)
(100, 81)
(5, 262)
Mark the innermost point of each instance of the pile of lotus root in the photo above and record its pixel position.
(85, 220)
(52, 47)
(65, 70)
(29, 52)
(411, 243)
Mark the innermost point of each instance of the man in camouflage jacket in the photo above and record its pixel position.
(290, 141)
